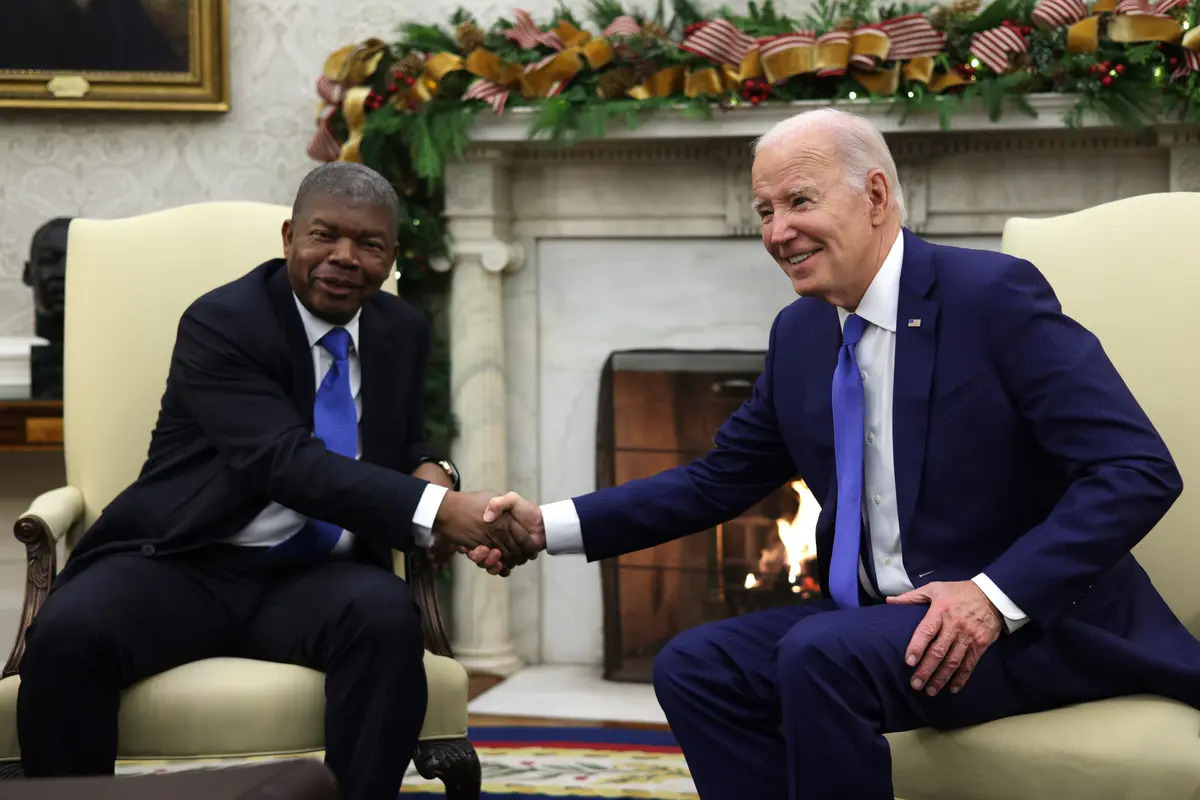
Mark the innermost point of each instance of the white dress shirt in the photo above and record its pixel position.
(876, 353)
(276, 523)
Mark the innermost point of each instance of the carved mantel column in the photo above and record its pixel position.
(1184, 145)
(477, 209)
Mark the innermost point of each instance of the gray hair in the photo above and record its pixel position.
(860, 145)
(349, 182)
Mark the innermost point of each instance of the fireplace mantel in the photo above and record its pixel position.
(687, 181)
(748, 121)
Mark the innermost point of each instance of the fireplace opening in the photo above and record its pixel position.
(659, 409)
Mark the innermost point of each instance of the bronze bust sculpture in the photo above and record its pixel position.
(46, 273)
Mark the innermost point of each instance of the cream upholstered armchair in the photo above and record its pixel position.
(1126, 270)
(129, 281)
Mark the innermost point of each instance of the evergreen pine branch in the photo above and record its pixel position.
(601, 13)
(425, 38)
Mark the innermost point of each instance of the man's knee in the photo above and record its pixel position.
(62, 638)
(686, 658)
(381, 612)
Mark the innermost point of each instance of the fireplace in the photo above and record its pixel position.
(659, 409)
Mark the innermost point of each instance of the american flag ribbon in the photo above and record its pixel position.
(993, 47)
(622, 26)
(1059, 13)
(496, 95)
(324, 146)
(1147, 8)
(912, 36)
(1190, 63)
(526, 33)
(329, 90)
(770, 45)
(862, 60)
(719, 40)
(833, 38)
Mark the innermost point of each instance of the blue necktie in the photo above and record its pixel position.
(848, 455)
(335, 422)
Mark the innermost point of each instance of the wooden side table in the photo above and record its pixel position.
(31, 425)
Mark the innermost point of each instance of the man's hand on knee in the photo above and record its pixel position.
(960, 625)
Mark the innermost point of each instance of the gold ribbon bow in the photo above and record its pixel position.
(349, 68)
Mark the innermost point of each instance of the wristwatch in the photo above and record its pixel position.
(449, 468)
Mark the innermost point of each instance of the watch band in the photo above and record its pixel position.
(448, 467)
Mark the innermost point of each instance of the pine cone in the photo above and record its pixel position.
(965, 8)
(1020, 62)
(653, 29)
(940, 17)
(615, 83)
(468, 36)
(411, 65)
(847, 24)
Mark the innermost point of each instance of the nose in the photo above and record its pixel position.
(779, 231)
(345, 253)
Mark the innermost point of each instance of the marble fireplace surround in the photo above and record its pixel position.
(512, 202)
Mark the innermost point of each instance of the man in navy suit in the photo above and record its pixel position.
(985, 471)
(288, 462)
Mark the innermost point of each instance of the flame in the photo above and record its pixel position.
(795, 543)
(799, 536)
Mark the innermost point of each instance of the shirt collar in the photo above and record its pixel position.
(316, 327)
(882, 299)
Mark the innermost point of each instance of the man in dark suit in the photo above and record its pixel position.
(985, 471)
(288, 461)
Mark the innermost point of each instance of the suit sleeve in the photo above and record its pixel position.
(248, 417)
(748, 462)
(1122, 479)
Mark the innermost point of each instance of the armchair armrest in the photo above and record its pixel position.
(416, 569)
(48, 519)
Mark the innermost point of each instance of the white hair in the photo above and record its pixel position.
(860, 145)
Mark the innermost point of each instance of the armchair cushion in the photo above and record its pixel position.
(224, 706)
(1129, 747)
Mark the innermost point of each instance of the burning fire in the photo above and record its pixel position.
(796, 543)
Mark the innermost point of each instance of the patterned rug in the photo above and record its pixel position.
(528, 763)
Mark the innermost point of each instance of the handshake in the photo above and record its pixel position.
(496, 532)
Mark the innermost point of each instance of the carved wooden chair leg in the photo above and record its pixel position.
(455, 763)
(11, 771)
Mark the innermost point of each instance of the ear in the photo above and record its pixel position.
(288, 233)
(879, 194)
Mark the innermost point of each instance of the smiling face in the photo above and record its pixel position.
(338, 255)
(828, 236)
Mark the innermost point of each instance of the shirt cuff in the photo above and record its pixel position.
(426, 513)
(1014, 617)
(564, 534)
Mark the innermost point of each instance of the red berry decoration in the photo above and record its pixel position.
(1120, 69)
(1106, 80)
(755, 90)
(1174, 62)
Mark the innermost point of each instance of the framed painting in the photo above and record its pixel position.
(139, 55)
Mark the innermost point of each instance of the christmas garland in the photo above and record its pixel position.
(405, 108)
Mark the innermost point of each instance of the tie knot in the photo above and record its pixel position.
(337, 342)
(852, 331)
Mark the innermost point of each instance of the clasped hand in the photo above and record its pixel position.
(497, 533)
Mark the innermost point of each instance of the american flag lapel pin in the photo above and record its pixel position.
(914, 323)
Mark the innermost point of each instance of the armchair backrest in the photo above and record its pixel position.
(128, 282)
(1127, 271)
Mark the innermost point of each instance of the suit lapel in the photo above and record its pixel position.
(303, 377)
(916, 348)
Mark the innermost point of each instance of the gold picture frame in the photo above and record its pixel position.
(160, 55)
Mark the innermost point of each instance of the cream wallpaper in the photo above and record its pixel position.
(111, 165)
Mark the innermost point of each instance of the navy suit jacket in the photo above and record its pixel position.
(1019, 452)
(235, 430)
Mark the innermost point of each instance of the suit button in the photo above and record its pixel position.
(147, 549)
